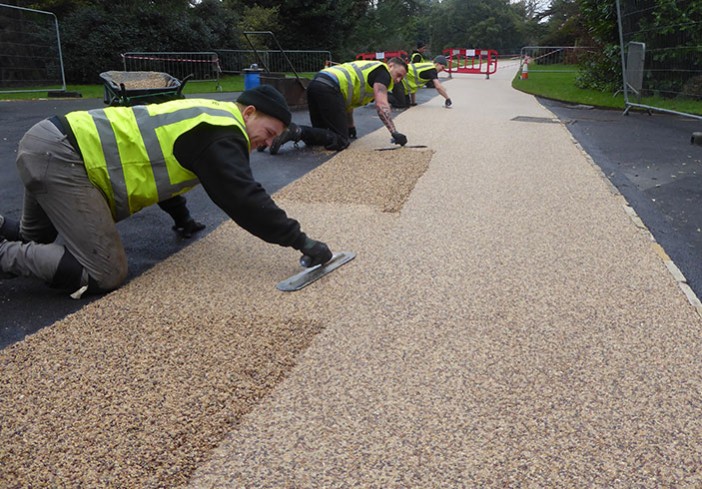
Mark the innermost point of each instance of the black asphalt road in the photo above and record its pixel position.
(27, 305)
(651, 161)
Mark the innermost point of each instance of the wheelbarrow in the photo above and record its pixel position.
(126, 88)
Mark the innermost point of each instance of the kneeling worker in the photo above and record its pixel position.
(419, 74)
(335, 92)
(87, 170)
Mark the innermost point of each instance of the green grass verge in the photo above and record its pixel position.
(557, 82)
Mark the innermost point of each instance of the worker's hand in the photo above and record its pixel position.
(399, 138)
(314, 253)
(352, 133)
(187, 228)
(448, 102)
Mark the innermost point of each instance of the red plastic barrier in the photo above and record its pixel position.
(383, 56)
(472, 61)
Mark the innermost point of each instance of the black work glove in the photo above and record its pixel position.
(186, 229)
(352, 133)
(399, 138)
(314, 253)
(448, 102)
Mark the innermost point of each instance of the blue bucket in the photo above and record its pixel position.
(252, 78)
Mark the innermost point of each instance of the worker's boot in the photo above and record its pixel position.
(292, 133)
(9, 229)
(7, 232)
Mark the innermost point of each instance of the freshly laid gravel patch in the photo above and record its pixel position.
(133, 392)
(382, 179)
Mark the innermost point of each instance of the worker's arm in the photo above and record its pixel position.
(382, 105)
(440, 88)
(184, 224)
(351, 123)
(219, 157)
(385, 113)
(349, 117)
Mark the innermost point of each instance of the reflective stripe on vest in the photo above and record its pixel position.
(353, 81)
(412, 81)
(128, 151)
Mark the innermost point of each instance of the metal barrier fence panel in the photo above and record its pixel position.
(382, 56)
(235, 61)
(661, 52)
(553, 59)
(30, 51)
(471, 61)
(198, 66)
(635, 67)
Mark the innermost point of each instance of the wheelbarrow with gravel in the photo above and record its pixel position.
(126, 88)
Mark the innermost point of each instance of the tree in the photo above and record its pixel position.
(93, 37)
(258, 18)
(391, 25)
(486, 24)
(600, 71)
(319, 24)
(563, 24)
(95, 32)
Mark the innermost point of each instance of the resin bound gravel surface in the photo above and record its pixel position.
(506, 323)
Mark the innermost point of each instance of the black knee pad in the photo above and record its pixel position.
(338, 143)
(69, 274)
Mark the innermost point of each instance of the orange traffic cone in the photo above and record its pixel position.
(525, 71)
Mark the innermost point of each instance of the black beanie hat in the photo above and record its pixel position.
(269, 101)
(441, 60)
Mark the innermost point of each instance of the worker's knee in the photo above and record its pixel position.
(337, 142)
(111, 278)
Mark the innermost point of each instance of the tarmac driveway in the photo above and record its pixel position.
(650, 159)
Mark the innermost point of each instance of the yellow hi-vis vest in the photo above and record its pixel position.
(353, 81)
(128, 151)
(412, 80)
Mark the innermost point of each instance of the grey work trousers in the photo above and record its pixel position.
(62, 211)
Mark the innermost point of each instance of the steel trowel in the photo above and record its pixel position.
(309, 275)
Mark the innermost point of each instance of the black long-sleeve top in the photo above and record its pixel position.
(219, 157)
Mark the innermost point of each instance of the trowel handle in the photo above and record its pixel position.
(305, 261)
